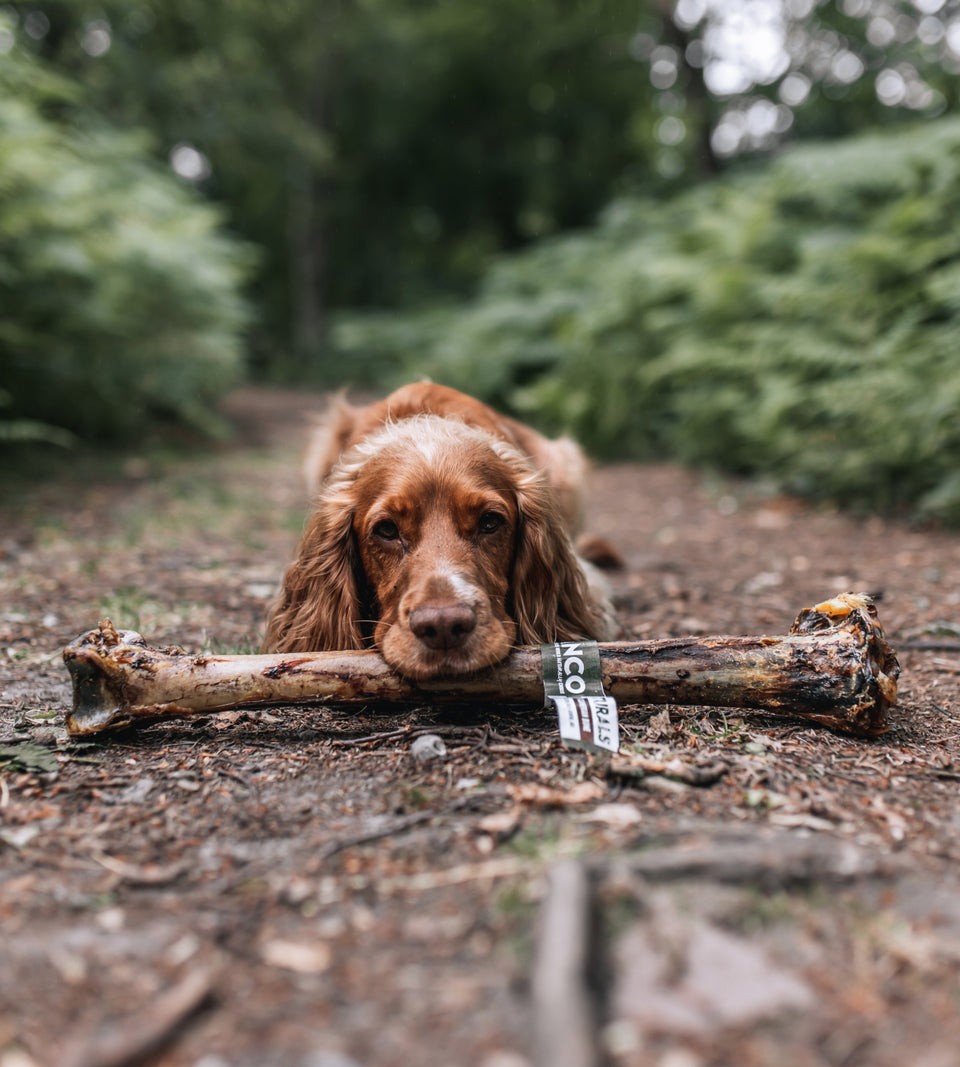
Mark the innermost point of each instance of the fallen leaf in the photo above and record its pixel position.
(223, 720)
(635, 766)
(29, 756)
(616, 816)
(297, 956)
(500, 823)
(659, 725)
(18, 837)
(550, 797)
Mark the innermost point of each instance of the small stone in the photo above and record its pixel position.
(428, 747)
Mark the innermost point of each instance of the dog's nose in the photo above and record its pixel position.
(441, 626)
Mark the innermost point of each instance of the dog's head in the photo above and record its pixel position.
(440, 544)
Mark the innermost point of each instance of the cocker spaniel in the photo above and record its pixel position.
(441, 534)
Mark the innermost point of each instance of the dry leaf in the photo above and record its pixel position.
(636, 766)
(616, 816)
(500, 823)
(551, 797)
(297, 956)
(659, 725)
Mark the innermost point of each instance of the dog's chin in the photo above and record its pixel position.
(413, 660)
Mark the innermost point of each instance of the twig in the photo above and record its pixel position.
(931, 644)
(394, 826)
(141, 875)
(387, 735)
(636, 766)
(129, 1041)
(405, 731)
(225, 772)
(565, 1023)
(935, 772)
(770, 861)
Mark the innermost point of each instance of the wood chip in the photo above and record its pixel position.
(549, 797)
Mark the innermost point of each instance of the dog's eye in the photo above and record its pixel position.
(386, 530)
(490, 522)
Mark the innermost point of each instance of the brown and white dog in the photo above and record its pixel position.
(441, 534)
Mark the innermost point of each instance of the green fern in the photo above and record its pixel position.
(120, 292)
(798, 323)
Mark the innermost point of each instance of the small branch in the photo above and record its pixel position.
(144, 876)
(129, 1041)
(772, 861)
(564, 1008)
(931, 644)
(390, 827)
(369, 739)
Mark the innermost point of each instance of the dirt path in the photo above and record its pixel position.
(294, 888)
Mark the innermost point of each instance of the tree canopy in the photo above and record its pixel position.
(379, 152)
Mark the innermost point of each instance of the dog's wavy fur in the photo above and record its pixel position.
(445, 595)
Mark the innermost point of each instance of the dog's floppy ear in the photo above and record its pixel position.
(549, 597)
(322, 606)
(329, 439)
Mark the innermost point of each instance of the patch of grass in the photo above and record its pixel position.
(248, 645)
(514, 902)
(760, 911)
(536, 842)
(124, 608)
(293, 522)
(619, 911)
(515, 913)
(416, 798)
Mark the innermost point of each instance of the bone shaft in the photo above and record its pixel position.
(816, 675)
(795, 673)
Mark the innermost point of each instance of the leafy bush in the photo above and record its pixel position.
(119, 295)
(799, 322)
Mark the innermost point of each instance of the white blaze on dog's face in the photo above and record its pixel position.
(436, 535)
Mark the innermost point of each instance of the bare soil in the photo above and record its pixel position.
(293, 887)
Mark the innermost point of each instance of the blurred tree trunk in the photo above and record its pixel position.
(699, 101)
(306, 242)
(306, 247)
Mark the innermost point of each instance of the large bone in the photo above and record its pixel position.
(833, 668)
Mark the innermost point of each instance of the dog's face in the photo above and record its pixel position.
(436, 539)
(441, 542)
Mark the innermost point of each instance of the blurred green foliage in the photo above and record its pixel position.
(377, 151)
(119, 294)
(800, 323)
(794, 321)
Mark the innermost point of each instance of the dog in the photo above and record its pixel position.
(441, 535)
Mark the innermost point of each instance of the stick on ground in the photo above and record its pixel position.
(564, 1008)
(833, 668)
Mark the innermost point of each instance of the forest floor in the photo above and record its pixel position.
(292, 888)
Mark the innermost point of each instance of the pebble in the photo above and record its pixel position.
(428, 747)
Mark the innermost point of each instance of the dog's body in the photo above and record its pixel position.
(441, 534)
